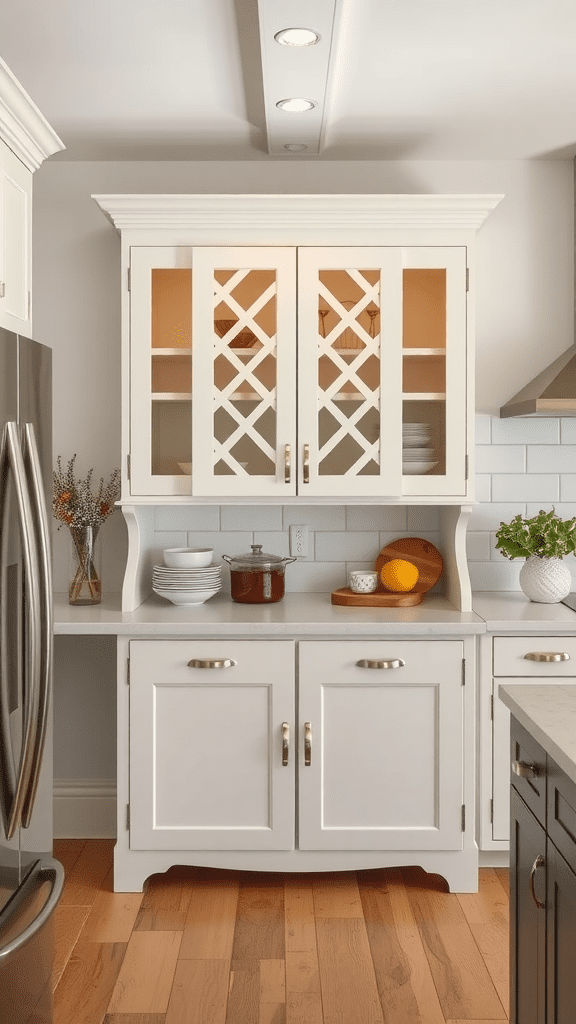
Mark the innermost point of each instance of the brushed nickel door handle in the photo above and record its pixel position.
(538, 863)
(307, 743)
(285, 742)
(524, 770)
(306, 463)
(211, 663)
(373, 663)
(287, 464)
(547, 656)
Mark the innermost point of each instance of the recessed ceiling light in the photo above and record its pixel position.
(296, 105)
(295, 147)
(297, 37)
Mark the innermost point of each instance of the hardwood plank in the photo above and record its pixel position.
(272, 1013)
(336, 895)
(170, 891)
(134, 1018)
(348, 983)
(487, 914)
(503, 876)
(160, 921)
(244, 993)
(87, 876)
(300, 924)
(483, 1021)
(67, 852)
(210, 920)
(84, 989)
(259, 932)
(147, 973)
(462, 981)
(272, 981)
(112, 916)
(199, 993)
(68, 922)
(405, 984)
(303, 995)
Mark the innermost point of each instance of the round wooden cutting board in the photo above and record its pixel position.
(422, 554)
(378, 599)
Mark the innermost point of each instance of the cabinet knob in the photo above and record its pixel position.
(547, 656)
(211, 663)
(524, 770)
(285, 742)
(538, 863)
(371, 663)
(307, 743)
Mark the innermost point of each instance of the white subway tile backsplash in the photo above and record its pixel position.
(315, 517)
(187, 517)
(568, 487)
(483, 487)
(317, 577)
(422, 517)
(168, 539)
(278, 543)
(375, 517)
(495, 575)
(525, 487)
(525, 431)
(552, 458)
(478, 547)
(483, 428)
(500, 458)
(251, 517)
(568, 430)
(489, 515)
(564, 509)
(343, 547)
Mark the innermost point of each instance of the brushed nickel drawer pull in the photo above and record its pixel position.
(306, 464)
(370, 663)
(524, 770)
(285, 742)
(538, 863)
(287, 464)
(547, 656)
(211, 663)
(307, 743)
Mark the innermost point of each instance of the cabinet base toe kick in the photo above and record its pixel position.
(459, 868)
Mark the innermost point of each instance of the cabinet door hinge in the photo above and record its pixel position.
(128, 466)
(127, 817)
(467, 279)
(128, 671)
(491, 811)
(463, 671)
(129, 280)
(463, 817)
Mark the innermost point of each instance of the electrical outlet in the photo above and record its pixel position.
(299, 541)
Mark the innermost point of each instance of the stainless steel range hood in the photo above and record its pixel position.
(551, 393)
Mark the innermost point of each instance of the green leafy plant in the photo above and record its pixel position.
(545, 535)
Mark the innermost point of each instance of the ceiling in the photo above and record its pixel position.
(402, 79)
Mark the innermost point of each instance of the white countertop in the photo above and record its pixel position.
(548, 712)
(510, 612)
(295, 615)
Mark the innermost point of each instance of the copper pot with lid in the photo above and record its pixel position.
(257, 578)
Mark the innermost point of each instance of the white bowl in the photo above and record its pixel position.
(414, 468)
(188, 558)
(187, 597)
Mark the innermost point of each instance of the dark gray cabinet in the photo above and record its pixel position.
(542, 886)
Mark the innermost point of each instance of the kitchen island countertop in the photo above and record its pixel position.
(548, 713)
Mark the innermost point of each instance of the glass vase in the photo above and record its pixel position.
(84, 566)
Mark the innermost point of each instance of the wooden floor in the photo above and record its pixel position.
(221, 947)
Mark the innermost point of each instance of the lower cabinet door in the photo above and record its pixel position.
(380, 745)
(207, 745)
(527, 916)
(561, 935)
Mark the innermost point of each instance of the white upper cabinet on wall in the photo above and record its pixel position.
(26, 139)
(323, 348)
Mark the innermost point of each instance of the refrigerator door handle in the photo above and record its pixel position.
(49, 871)
(12, 455)
(43, 543)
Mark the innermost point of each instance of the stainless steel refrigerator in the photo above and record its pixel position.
(30, 879)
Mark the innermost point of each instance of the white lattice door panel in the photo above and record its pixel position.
(244, 382)
(349, 371)
(434, 372)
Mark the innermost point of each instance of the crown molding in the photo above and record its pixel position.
(215, 212)
(22, 127)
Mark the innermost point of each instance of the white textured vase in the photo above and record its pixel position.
(545, 580)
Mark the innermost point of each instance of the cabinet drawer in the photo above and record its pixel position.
(561, 811)
(510, 655)
(525, 749)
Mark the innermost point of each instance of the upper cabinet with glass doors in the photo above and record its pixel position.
(310, 371)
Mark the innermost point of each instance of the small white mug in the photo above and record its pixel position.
(363, 581)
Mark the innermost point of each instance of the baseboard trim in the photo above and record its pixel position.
(84, 809)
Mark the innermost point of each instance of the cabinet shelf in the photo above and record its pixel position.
(171, 396)
(429, 353)
(167, 352)
(424, 396)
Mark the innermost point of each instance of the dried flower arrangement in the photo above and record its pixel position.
(77, 506)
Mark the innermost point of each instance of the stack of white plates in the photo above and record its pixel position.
(187, 586)
(418, 455)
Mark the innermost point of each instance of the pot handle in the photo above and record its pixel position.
(293, 559)
(227, 558)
